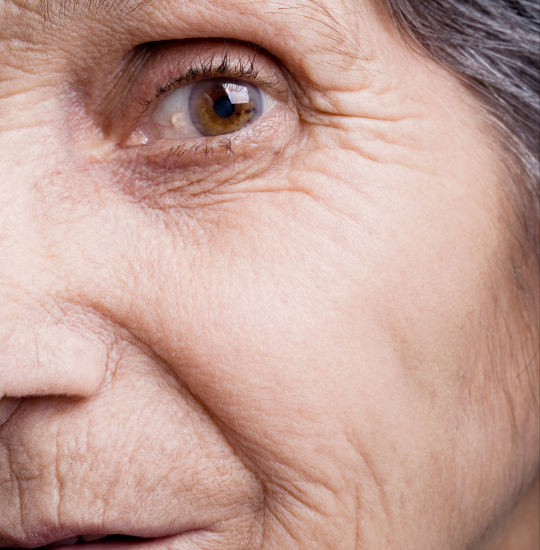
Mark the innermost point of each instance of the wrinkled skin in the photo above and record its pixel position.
(314, 342)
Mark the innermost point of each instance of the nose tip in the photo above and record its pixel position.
(40, 356)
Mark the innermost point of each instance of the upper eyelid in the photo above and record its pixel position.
(207, 69)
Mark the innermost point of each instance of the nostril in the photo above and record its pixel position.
(41, 355)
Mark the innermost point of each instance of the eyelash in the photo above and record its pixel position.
(206, 70)
(178, 151)
(243, 68)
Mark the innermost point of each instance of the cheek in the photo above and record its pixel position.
(313, 284)
(323, 324)
(160, 461)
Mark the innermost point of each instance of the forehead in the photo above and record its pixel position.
(333, 20)
(316, 39)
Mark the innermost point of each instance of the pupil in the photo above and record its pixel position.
(223, 107)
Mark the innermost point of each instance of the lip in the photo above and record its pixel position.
(77, 470)
(125, 542)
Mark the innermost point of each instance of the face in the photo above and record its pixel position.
(253, 284)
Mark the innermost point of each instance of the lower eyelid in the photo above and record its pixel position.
(193, 158)
(173, 174)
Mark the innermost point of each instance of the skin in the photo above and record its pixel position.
(314, 342)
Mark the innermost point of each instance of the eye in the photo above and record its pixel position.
(207, 108)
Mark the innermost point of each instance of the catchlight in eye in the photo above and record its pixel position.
(207, 108)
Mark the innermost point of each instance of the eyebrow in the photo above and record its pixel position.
(333, 29)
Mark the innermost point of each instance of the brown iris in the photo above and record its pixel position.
(223, 106)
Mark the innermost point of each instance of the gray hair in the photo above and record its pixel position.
(494, 46)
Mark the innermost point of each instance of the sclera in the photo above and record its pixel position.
(173, 120)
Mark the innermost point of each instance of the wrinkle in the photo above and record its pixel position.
(50, 10)
(13, 405)
(336, 29)
(14, 479)
(260, 508)
(331, 25)
(148, 350)
(58, 493)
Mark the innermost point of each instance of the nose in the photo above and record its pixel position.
(48, 352)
